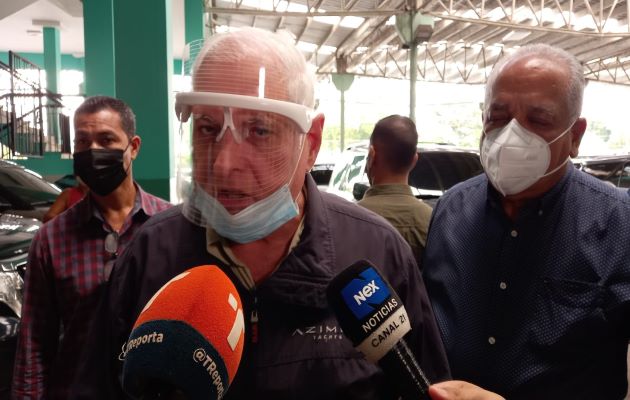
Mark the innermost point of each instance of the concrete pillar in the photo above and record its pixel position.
(144, 69)
(413, 28)
(52, 65)
(342, 82)
(194, 32)
(98, 34)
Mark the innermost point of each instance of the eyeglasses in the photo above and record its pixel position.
(298, 113)
(260, 128)
(111, 248)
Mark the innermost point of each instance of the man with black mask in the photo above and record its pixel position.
(72, 255)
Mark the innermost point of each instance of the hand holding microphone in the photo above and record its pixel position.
(460, 390)
(187, 340)
(373, 317)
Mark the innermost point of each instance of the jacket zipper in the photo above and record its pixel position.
(253, 318)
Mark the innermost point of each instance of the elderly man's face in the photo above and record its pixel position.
(534, 91)
(242, 156)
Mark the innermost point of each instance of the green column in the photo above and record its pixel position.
(413, 78)
(194, 10)
(342, 83)
(194, 20)
(52, 65)
(413, 28)
(98, 33)
(144, 69)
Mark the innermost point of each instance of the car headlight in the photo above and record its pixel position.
(11, 282)
(8, 328)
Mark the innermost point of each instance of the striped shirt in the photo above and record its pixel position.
(66, 270)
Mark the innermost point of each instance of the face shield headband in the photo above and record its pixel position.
(298, 113)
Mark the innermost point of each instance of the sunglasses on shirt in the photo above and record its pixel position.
(111, 249)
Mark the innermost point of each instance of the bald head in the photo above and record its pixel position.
(395, 139)
(537, 56)
(254, 62)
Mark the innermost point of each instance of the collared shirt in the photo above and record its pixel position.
(397, 204)
(66, 269)
(219, 247)
(537, 307)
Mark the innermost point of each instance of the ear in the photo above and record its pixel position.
(314, 139)
(577, 132)
(371, 153)
(415, 160)
(135, 143)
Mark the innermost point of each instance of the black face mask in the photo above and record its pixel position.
(102, 170)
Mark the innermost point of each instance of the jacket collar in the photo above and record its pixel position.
(304, 275)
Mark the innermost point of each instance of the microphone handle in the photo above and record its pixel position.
(401, 366)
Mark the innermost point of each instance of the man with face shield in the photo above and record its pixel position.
(72, 255)
(253, 210)
(528, 265)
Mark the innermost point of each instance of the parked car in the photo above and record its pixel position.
(24, 199)
(321, 173)
(439, 167)
(613, 169)
(16, 233)
(24, 192)
(66, 181)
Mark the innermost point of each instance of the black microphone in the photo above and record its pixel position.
(373, 317)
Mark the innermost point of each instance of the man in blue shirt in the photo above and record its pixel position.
(528, 265)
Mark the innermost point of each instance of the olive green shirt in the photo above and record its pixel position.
(408, 215)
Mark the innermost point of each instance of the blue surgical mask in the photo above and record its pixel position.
(252, 223)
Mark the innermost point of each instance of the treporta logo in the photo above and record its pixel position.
(360, 295)
(200, 357)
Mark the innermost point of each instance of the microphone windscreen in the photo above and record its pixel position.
(189, 336)
(368, 309)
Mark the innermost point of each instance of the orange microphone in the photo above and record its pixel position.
(188, 338)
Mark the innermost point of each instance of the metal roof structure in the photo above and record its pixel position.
(465, 41)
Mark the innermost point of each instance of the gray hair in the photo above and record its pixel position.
(577, 82)
(247, 43)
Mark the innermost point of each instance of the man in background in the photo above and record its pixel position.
(71, 256)
(391, 157)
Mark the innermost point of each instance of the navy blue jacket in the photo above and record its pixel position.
(301, 352)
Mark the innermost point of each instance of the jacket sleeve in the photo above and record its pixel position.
(39, 326)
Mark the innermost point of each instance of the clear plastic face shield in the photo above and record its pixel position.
(245, 147)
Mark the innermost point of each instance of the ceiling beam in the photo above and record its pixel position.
(517, 26)
(298, 14)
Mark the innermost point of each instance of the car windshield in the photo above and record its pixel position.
(439, 171)
(349, 171)
(616, 172)
(27, 186)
